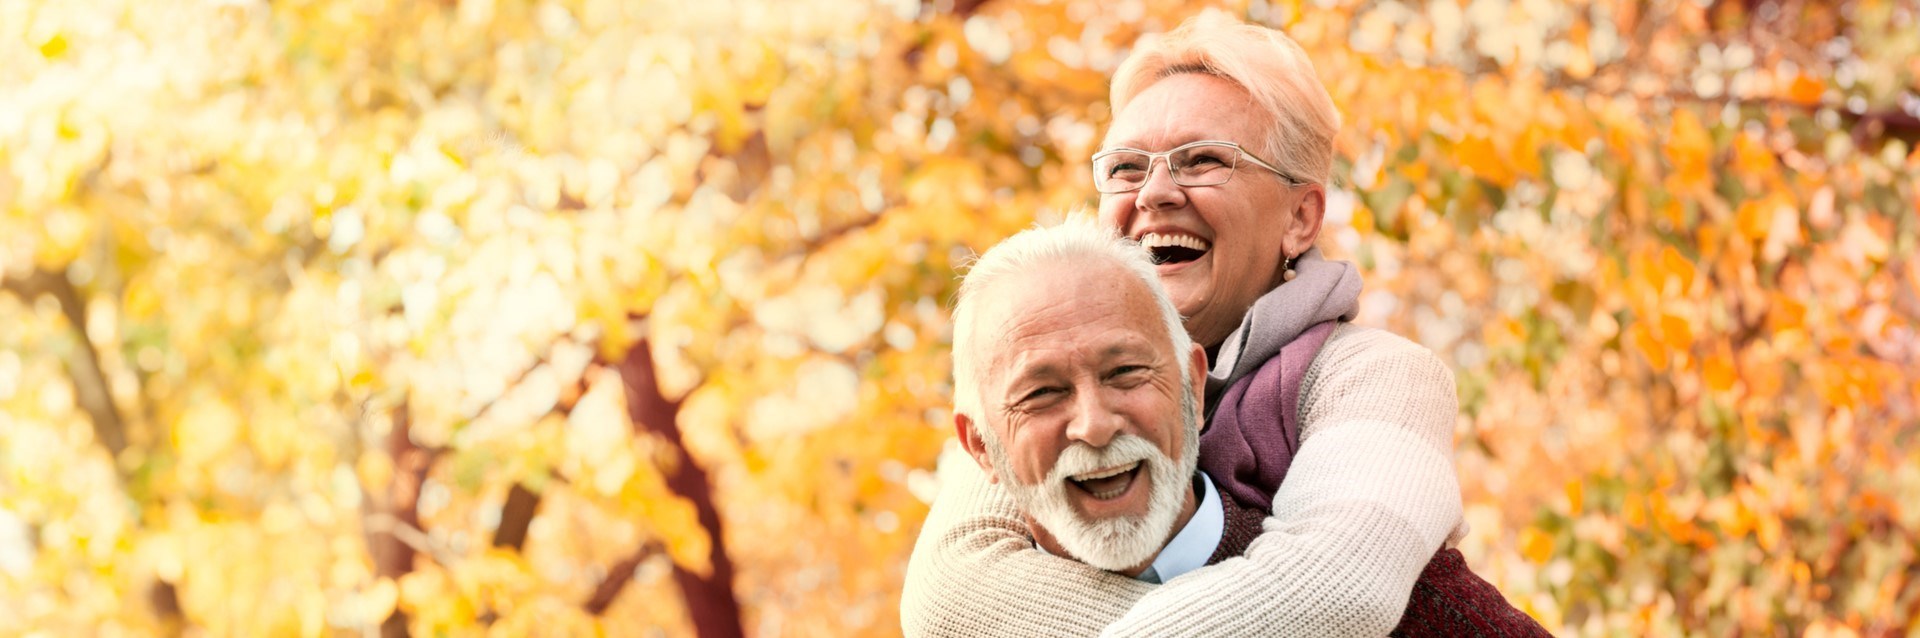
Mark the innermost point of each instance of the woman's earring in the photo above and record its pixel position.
(1288, 274)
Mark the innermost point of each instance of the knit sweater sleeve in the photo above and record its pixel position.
(1370, 497)
(974, 571)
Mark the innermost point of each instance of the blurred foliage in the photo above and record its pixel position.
(591, 317)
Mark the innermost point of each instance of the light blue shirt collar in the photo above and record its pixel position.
(1196, 542)
(1190, 549)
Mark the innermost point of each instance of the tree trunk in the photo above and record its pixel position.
(710, 598)
(515, 516)
(393, 510)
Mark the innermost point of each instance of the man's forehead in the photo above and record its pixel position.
(1059, 287)
(1107, 309)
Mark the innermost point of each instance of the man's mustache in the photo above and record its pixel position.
(1082, 458)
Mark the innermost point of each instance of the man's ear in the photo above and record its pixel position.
(970, 439)
(1197, 359)
(1308, 213)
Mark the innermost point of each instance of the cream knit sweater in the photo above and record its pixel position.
(1370, 497)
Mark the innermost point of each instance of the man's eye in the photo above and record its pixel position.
(1127, 169)
(1124, 371)
(1206, 161)
(1042, 393)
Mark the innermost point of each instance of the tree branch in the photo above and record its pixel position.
(515, 517)
(90, 386)
(830, 235)
(618, 576)
(392, 518)
(710, 600)
(414, 538)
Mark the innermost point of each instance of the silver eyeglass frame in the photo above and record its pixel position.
(1165, 157)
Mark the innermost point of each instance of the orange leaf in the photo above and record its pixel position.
(1690, 150)
(1805, 89)
(1479, 155)
(1536, 545)
(1719, 370)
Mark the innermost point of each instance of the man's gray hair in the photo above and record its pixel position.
(1078, 240)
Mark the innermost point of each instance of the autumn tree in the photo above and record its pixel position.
(337, 316)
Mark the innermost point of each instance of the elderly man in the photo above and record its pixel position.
(1076, 388)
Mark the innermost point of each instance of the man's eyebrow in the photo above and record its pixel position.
(1022, 370)
(1128, 346)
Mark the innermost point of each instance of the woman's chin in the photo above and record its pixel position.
(1187, 283)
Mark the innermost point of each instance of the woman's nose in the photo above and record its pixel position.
(1159, 191)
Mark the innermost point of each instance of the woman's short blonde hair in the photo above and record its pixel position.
(1270, 66)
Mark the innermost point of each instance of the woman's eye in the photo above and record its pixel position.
(1206, 161)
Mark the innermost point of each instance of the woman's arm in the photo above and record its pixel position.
(1370, 497)
(974, 570)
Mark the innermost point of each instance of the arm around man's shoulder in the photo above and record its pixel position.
(1369, 375)
(1369, 498)
(975, 572)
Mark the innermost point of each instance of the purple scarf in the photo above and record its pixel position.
(1254, 432)
(1253, 392)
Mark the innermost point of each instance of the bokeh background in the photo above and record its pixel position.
(595, 317)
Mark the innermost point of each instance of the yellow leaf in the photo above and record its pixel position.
(375, 470)
(1363, 220)
(380, 599)
(54, 46)
(207, 429)
(1536, 545)
(1690, 150)
(1479, 155)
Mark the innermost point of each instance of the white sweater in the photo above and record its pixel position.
(1370, 497)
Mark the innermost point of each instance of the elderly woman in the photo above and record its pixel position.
(1217, 161)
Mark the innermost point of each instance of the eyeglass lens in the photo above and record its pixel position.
(1204, 165)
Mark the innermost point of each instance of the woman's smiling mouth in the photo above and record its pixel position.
(1174, 248)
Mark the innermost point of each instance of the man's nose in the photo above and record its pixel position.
(1094, 422)
(1159, 191)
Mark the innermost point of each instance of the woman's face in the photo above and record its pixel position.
(1220, 247)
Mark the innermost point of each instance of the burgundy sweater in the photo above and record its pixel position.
(1249, 443)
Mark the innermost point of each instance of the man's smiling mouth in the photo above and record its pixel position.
(1109, 483)
(1169, 248)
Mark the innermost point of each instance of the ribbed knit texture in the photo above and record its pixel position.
(1368, 500)
(1449, 600)
(1240, 524)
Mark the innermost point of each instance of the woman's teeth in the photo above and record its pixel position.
(1173, 249)
(1168, 240)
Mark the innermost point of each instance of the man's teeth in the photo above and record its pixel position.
(1094, 476)
(1161, 240)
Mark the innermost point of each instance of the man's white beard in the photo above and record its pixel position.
(1121, 542)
